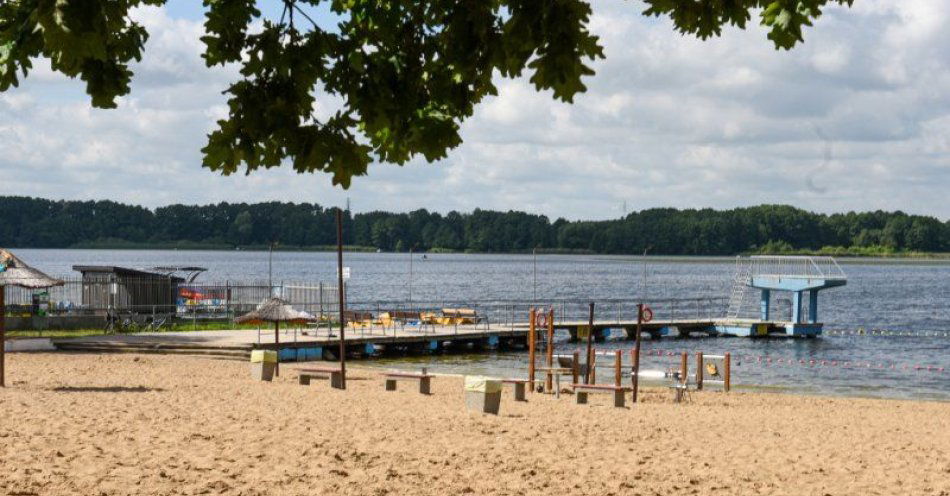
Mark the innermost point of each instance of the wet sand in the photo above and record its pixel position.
(147, 424)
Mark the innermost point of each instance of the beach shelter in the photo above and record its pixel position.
(13, 272)
(275, 310)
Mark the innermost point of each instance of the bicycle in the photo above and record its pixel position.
(156, 324)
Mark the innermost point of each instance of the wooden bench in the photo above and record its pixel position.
(335, 376)
(520, 385)
(425, 380)
(582, 390)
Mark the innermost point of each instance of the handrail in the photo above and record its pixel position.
(791, 266)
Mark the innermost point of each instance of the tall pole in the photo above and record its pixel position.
(549, 350)
(339, 273)
(635, 376)
(270, 269)
(636, 353)
(590, 336)
(3, 337)
(534, 252)
(410, 278)
(643, 275)
(532, 342)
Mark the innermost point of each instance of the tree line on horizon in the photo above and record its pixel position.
(41, 223)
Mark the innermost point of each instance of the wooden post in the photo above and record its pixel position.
(592, 367)
(699, 370)
(635, 371)
(277, 347)
(576, 367)
(550, 351)
(590, 377)
(618, 363)
(532, 341)
(727, 374)
(341, 289)
(684, 367)
(3, 338)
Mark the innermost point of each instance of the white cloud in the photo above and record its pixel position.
(668, 121)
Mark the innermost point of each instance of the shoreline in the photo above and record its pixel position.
(849, 259)
(159, 425)
(379, 365)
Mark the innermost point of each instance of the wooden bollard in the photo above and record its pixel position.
(699, 370)
(684, 367)
(727, 374)
(618, 363)
(592, 366)
(532, 347)
(550, 352)
(576, 367)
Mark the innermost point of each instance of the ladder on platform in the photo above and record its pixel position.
(739, 285)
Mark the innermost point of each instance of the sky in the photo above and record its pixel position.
(856, 118)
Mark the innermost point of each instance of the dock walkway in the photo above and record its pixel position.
(315, 344)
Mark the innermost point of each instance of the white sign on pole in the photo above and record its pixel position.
(346, 273)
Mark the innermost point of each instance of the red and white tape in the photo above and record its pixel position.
(766, 360)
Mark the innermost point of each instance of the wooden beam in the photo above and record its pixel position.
(532, 345)
(684, 367)
(699, 370)
(3, 338)
(550, 350)
(727, 374)
(635, 371)
(576, 367)
(618, 364)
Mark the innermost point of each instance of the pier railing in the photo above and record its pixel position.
(514, 313)
(796, 266)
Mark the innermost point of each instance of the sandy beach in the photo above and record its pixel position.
(145, 424)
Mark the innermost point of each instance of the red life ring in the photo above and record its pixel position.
(646, 314)
(541, 320)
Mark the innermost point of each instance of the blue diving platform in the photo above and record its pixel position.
(799, 276)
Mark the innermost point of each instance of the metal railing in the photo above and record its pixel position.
(796, 266)
(166, 296)
(513, 313)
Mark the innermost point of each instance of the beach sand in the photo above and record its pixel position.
(148, 424)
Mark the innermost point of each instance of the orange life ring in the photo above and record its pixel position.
(646, 313)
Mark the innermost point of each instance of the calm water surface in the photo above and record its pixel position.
(911, 298)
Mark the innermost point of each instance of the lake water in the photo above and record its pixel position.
(890, 324)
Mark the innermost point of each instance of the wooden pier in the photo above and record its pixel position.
(310, 344)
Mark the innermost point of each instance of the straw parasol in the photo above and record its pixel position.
(13, 272)
(275, 310)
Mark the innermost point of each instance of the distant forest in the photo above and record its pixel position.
(40, 223)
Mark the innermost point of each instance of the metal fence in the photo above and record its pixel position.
(164, 296)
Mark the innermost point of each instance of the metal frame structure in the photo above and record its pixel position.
(792, 274)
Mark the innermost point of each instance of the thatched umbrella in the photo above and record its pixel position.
(275, 310)
(13, 272)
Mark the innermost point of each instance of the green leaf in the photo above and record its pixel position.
(408, 72)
